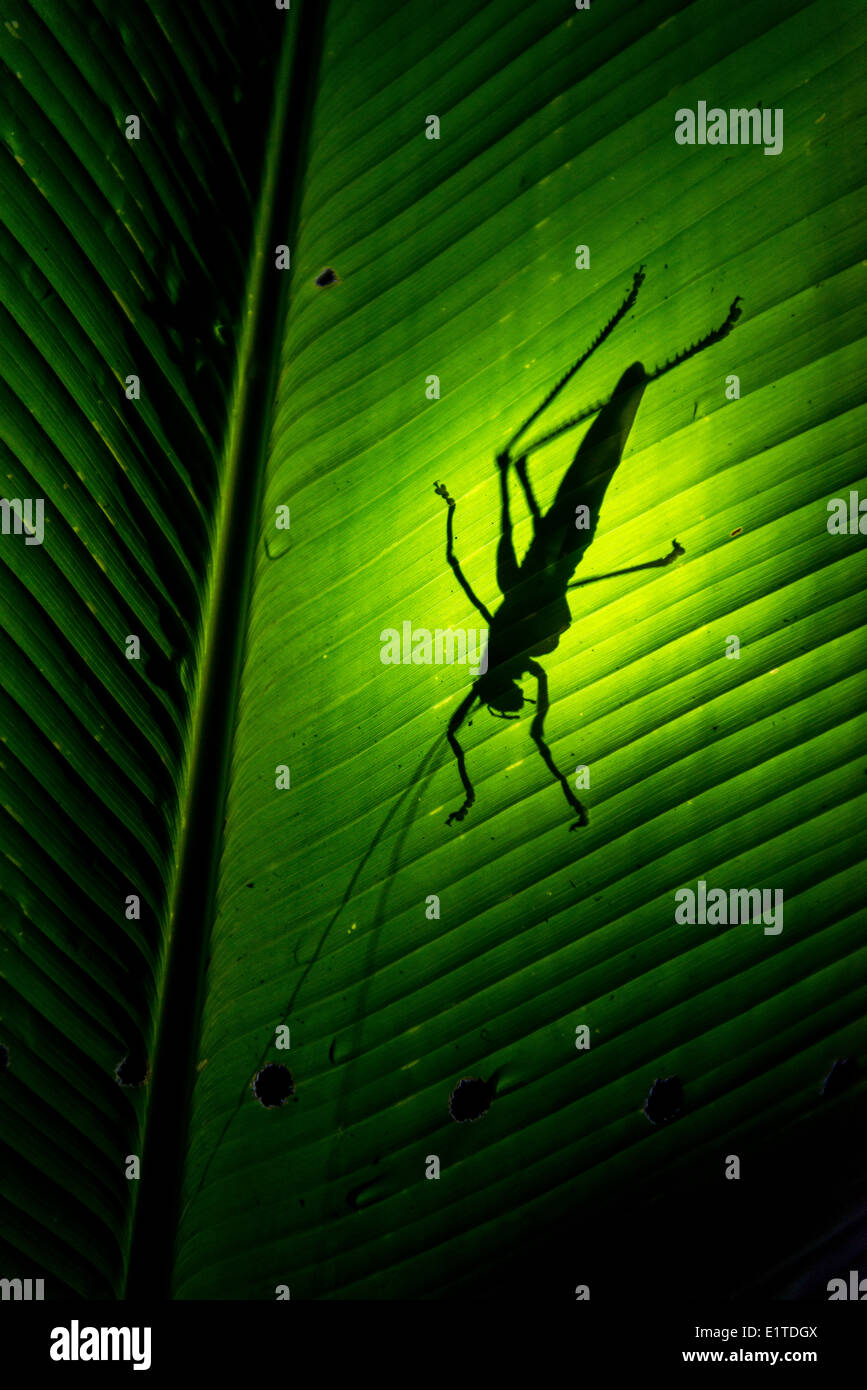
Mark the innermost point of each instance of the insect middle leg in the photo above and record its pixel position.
(452, 558)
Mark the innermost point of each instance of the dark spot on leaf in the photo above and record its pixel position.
(273, 1085)
(738, 531)
(133, 1070)
(470, 1099)
(327, 277)
(842, 1075)
(664, 1100)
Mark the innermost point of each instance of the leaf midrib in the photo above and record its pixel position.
(220, 649)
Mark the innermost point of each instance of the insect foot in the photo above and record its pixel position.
(582, 820)
(444, 493)
(458, 815)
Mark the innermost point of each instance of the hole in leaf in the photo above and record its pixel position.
(470, 1099)
(664, 1100)
(842, 1075)
(273, 1085)
(133, 1070)
(327, 277)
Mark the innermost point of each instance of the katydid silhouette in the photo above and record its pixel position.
(534, 612)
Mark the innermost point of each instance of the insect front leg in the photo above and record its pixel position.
(455, 723)
(537, 732)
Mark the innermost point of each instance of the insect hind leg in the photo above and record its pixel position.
(508, 569)
(715, 336)
(524, 480)
(628, 302)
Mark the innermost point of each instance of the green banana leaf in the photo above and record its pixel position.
(245, 960)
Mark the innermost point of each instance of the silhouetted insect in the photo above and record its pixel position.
(534, 613)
